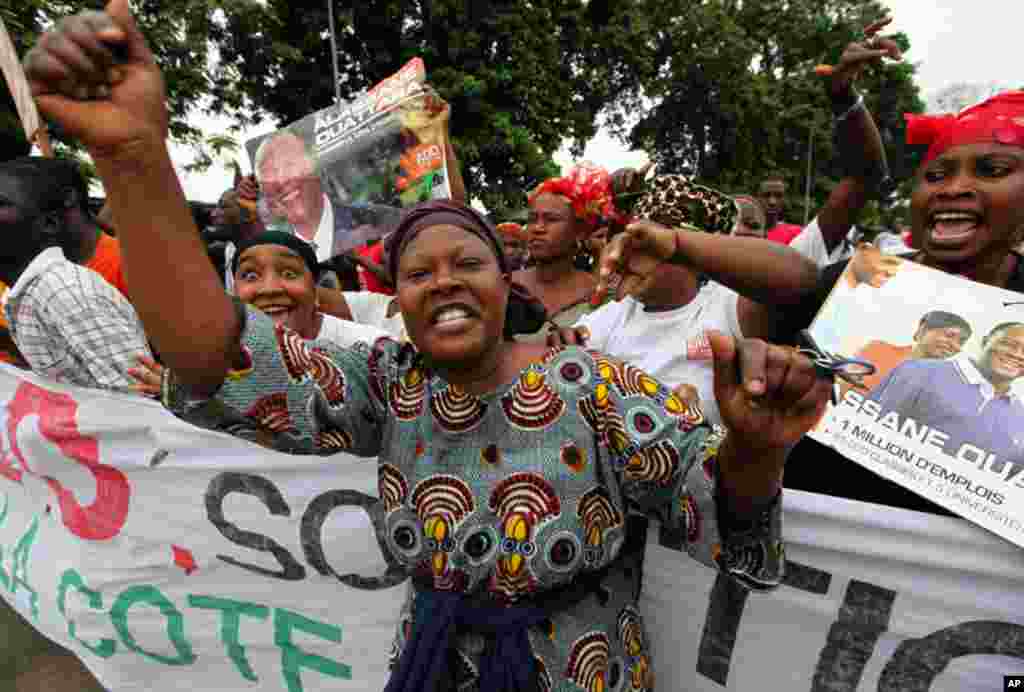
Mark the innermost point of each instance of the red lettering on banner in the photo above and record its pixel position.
(183, 558)
(7, 467)
(102, 519)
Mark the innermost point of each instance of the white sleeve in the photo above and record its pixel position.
(229, 278)
(723, 304)
(363, 307)
(344, 333)
(601, 323)
(811, 244)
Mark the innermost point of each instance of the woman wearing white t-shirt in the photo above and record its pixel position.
(660, 320)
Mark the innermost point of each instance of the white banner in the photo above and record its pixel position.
(875, 599)
(157, 551)
(170, 558)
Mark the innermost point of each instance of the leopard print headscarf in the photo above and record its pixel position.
(675, 201)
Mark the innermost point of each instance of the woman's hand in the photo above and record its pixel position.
(247, 189)
(635, 255)
(859, 55)
(149, 375)
(769, 396)
(568, 336)
(94, 75)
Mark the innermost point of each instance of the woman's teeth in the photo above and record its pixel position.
(451, 315)
(953, 224)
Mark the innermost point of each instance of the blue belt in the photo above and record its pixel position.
(507, 663)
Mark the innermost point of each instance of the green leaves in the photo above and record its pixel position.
(729, 96)
(719, 88)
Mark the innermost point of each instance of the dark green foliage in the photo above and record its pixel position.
(721, 89)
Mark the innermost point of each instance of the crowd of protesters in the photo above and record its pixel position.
(596, 351)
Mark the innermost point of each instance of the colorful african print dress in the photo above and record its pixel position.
(510, 495)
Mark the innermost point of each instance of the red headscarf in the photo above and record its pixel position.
(588, 189)
(1000, 120)
(510, 229)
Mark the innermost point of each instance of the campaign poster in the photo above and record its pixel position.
(341, 175)
(943, 413)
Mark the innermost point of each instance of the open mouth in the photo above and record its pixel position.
(952, 227)
(1008, 363)
(452, 317)
(276, 312)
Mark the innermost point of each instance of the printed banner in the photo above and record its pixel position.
(875, 599)
(347, 170)
(169, 558)
(943, 414)
(10, 65)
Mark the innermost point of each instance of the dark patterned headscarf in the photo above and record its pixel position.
(292, 242)
(525, 314)
(441, 213)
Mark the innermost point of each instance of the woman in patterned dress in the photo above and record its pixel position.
(507, 468)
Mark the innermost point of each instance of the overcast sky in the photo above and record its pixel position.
(951, 41)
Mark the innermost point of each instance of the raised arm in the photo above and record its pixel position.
(861, 152)
(455, 181)
(759, 271)
(117, 109)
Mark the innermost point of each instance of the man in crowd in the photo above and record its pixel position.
(101, 250)
(969, 399)
(939, 334)
(67, 321)
(232, 222)
(772, 195)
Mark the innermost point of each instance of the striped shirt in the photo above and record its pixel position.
(73, 326)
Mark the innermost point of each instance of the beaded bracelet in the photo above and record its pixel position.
(175, 395)
(857, 105)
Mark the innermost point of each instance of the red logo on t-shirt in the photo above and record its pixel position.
(698, 347)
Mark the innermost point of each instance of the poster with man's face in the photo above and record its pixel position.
(942, 413)
(341, 175)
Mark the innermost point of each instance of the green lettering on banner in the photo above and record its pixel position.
(19, 567)
(150, 595)
(4, 579)
(293, 658)
(72, 579)
(229, 622)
